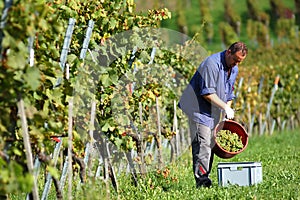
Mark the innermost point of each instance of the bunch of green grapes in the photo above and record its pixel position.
(229, 141)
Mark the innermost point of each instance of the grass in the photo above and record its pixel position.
(279, 155)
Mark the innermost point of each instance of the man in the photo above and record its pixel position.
(205, 100)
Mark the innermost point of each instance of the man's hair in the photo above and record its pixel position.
(238, 46)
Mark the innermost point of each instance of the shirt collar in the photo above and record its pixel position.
(223, 60)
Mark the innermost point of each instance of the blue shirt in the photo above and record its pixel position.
(211, 77)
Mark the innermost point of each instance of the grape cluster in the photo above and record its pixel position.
(229, 141)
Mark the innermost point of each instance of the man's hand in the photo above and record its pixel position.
(214, 99)
(229, 112)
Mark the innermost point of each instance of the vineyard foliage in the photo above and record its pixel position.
(264, 66)
(46, 101)
(40, 26)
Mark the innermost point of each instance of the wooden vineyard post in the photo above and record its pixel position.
(70, 147)
(174, 140)
(177, 136)
(249, 116)
(27, 146)
(260, 123)
(140, 139)
(70, 139)
(298, 117)
(158, 136)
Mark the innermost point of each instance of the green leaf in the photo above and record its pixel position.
(37, 96)
(43, 24)
(32, 77)
(105, 80)
(53, 171)
(112, 23)
(17, 151)
(106, 127)
(114, 78)
(118, 142)
(17, 61)
(71, 58)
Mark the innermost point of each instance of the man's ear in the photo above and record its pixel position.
(228, 51)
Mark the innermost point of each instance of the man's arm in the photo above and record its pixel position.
(214, 99)
(229, 103)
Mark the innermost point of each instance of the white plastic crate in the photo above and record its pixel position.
(239, 173)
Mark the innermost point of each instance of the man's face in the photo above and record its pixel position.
(234, 59)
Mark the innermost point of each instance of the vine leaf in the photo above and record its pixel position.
(32, 77)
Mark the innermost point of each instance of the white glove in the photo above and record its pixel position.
(229, 112)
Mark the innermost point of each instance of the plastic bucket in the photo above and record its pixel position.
(234, 127)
